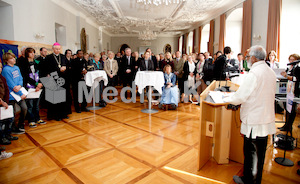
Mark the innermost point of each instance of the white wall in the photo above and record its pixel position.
(134, 43)
(260, 21)
(106, 40)
(32, 16)
(93, 37)
(6, 21)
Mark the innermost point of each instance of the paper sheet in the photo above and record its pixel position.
(278, 71)
(32, 94)
(17, 97)
(6, 113)
(218, 96)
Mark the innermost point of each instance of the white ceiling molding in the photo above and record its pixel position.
(127, 17)
(226, 9)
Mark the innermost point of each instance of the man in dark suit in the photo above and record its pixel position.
(78, 70)
(153, 58)
(146, 64)
(127, 68)
(224, 64)
(56, 62)
(119, 74)
(42, 57)
(41, 61)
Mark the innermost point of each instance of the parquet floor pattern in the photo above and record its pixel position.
(120, 144)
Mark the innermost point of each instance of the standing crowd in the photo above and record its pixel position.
(25, 72)
(181, 73)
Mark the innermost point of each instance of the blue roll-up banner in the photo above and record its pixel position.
(8, 48)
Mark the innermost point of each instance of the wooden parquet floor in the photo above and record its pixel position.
(120, 144)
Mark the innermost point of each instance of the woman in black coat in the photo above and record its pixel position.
(189, 73)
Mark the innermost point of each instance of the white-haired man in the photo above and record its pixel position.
(256, 96)
(128, 66)
(178, 71)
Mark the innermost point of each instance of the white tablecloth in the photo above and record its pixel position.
(149, 78)
(95, 76)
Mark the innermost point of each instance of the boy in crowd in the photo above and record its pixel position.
(31, 80)
(15, 82)
(6, 124)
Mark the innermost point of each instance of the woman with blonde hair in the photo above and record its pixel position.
(170, 90)
(167, 61)
(272, 60)
(98, 64)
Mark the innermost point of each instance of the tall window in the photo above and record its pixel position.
(233, 33)
(180, 44)
(190, 43)
(289, 30)
(204, 38)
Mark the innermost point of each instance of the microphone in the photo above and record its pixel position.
(294, 63)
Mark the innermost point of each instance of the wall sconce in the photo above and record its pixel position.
(76, 43)
(256, 37)
(39, 35)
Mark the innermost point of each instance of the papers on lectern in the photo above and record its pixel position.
(218, 96)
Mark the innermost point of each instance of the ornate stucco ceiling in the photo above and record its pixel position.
(129, 17)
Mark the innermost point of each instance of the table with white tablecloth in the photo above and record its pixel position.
(149, 78)
(92, 79)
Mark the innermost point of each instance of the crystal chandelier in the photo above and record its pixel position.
(159, 2)
(147, 34)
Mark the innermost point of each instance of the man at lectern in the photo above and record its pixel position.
(256, 96)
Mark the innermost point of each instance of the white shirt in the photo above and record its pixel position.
(241, 65)
(200, 66)
(191, 67)
(256, 96)
(191, 81)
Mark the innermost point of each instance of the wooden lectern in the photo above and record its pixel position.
(219, 129)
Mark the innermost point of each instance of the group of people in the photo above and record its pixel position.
(187, 69)
(181, 73)
(27, 70)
